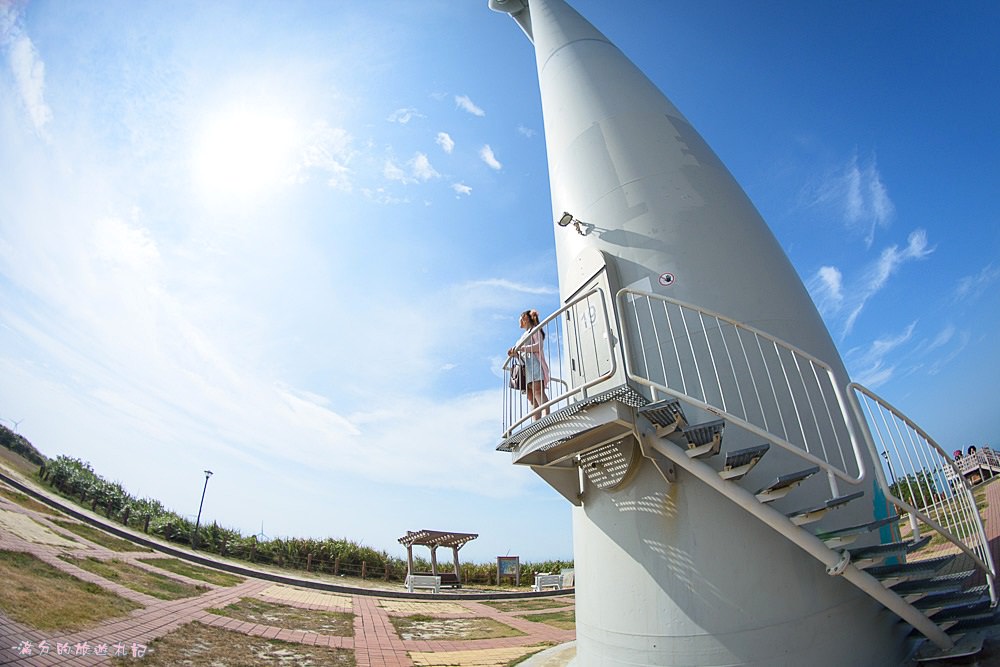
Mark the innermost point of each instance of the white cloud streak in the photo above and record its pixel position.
(513, 286)
(465, 104)
(461, 189)
(970, 288)
(394, 172)
(857, 194)
(445, 141)
(421, 168)
(418, 168)
(826, 289)
(26, 66)
(888, 263)
(837, 302)
(872, 367)
(487, 156)
(403, 115)
(327, 150)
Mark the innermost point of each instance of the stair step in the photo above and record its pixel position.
(666, 415)
(780, 487)
(740, 462)
(704, 440)
(948, 618)
(812, 514)
(968, 643)
(914, 589)
(933, 604)
(875, 553)
(890, 575)
(843, 536)
(980, 621)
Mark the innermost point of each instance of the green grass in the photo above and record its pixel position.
(45, 598)
(420, 626)
(17, 463)
(151, 583)
(564, 620)
(253, 610)
(27, 501)
(199, 645)
(541, 647)
(99, 537)
(178, 566)
(530, 604)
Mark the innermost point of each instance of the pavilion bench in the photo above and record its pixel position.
(548, 581)
(423, 581)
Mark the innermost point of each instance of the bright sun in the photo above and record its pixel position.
(243, 153)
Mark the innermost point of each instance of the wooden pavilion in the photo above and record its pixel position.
(434, 539)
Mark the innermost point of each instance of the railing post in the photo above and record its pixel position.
(834, 488)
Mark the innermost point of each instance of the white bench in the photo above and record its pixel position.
(423, 581)
(548, 580)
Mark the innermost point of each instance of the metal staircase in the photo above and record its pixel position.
(667, 359)
(892, 573)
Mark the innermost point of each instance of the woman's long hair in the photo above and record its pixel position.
(533, 320)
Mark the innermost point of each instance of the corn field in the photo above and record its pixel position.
(77, 481)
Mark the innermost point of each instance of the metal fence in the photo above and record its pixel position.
(743, 374)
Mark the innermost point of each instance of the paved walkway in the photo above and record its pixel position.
(375, 642)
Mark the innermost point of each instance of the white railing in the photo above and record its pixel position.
(985, 463)
(743, 374)
(577, 345)
(923, 481)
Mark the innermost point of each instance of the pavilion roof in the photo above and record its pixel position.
(436, 538)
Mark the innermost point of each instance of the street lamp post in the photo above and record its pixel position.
(194, 539)
(885, 455)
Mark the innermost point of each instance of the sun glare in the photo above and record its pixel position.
(245, 153)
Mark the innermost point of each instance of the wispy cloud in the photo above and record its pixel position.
(461, 188)
(513, 286)
(846, 303)
(826, 289)
(871, 367)
(394, 172)
(421, 167)
(327, 150)
(972, 287)
(463, 102)
(888, 263)
(943, 338)
(418, 168)
(857, 195)
(525, 131)
(404, 115)
(445, 141)
(26, 66)
(382, 196)
(487, 156)
(958, 340)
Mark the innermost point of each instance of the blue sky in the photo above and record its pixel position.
(288, 242)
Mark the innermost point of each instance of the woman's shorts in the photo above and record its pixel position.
(532, 369)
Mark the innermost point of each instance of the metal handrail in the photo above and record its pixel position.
(557, 344)
(747, 376)
(924, 471)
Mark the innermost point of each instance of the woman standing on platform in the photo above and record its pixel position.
(536, 369)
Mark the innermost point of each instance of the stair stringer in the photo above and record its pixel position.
(837, 563)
